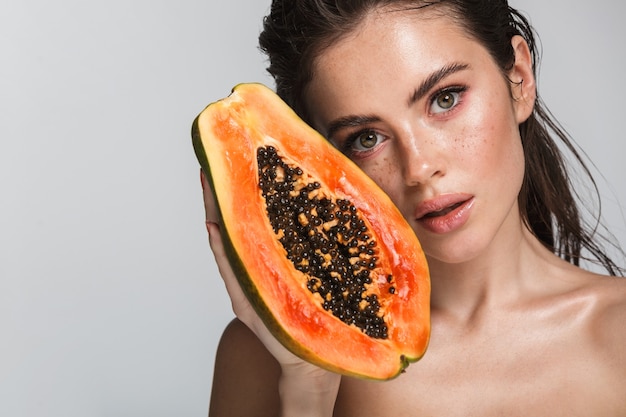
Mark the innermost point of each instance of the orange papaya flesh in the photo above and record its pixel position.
(326, 259)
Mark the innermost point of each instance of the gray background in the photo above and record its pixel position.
(110, 304)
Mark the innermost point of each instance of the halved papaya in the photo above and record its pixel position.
(327, 260)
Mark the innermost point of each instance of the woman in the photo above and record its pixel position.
(437, 102)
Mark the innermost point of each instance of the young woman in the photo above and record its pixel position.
(437, 102)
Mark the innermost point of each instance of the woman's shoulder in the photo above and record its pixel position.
(610, 295)
(237, 332)
(595, 304)
(605, 299)
(239, 350)
(607, 331)
(244, 369)
(606, 319)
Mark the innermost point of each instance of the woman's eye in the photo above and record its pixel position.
(365, 141)
(445, 100)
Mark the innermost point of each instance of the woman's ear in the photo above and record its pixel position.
(522, 77)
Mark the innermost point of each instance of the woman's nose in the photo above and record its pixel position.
(420, 160)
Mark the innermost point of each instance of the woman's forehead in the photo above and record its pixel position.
(393, 34)
(387, 50)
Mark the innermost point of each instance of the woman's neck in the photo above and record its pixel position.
(515, 267)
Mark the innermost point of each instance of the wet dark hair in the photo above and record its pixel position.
(297, 31)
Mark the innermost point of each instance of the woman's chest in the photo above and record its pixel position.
(534, 392)
(529, 376)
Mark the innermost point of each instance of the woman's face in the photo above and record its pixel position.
(424, 110)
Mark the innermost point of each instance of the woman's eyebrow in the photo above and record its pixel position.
(349, 121)
(433, 79)
(420, 92)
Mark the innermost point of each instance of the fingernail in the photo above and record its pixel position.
(209, 225)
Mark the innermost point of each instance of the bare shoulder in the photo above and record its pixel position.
(609, 294)
(611, 311)
(245, 380)
(607, 324)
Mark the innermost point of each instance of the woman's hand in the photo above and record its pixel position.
(240, 304)
(305, 389)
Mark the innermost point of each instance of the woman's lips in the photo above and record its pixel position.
(444, 213)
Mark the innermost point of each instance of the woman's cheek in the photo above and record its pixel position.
(385, 174)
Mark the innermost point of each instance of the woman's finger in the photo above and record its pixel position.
(240, 304)
(210, 207)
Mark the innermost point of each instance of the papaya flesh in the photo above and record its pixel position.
(326, 259)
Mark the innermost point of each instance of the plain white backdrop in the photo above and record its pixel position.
(110, 303)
